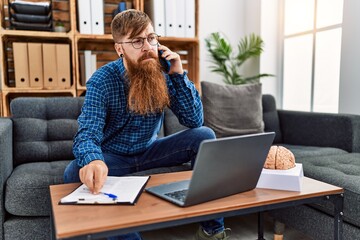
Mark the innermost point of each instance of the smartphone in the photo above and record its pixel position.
(165, 64)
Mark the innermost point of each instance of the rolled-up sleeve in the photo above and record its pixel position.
(185, 101)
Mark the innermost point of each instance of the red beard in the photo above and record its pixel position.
(148, 91)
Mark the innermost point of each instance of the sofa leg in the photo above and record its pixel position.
(279, 229)
(278, 237)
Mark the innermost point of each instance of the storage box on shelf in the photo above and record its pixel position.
(65, 13)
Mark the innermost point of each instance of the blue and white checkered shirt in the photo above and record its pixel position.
(105, 124)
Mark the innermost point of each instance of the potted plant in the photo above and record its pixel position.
(236, 107)
(59, 27)
(228, 64)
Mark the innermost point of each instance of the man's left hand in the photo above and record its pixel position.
(174, 58)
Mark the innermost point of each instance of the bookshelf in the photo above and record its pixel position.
(65, 11)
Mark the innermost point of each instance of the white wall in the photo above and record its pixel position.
(270, 59)
(237, 18)
(226, 16)
(349, 96)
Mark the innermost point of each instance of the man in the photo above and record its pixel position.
(123, 113)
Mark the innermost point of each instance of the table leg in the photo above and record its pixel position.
(261, 226)
(338, 201)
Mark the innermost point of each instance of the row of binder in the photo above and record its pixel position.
(91, 16)
(88, 65)
(42, 65)
(172, 18)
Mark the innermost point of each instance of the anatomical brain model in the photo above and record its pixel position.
(279, 158)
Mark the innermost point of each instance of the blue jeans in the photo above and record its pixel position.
(168, 151)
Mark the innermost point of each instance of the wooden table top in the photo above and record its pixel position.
(75, 220)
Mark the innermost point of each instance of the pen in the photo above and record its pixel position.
(110, 195)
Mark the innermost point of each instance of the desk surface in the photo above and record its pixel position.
(76, 220)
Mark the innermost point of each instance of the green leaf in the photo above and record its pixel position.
(227, 64)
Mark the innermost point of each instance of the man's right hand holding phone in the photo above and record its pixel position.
(174, 58)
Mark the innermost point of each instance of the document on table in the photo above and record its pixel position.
(116, 190)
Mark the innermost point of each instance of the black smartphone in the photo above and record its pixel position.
(165, 64)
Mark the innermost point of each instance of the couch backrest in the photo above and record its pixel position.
(44, 128)
(270, 117)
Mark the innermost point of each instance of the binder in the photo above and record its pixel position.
(93, 63)
(156, 11)
(21, 64)
(49, 65)
(180, 18)
(88, 65)
(190, 18)
(63, 65)
(82, 69)
(84, 16)
(170, 18)
(35, 65)
(97, 16)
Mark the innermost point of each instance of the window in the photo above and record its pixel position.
(311, 54)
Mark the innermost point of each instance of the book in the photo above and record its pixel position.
(116, 190)
(156, 11)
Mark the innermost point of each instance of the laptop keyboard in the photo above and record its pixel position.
(178, 195)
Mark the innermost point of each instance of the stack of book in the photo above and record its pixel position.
(30, 15)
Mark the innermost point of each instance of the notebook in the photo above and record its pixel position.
(223, 167)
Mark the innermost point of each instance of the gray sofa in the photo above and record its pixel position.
(36, 145)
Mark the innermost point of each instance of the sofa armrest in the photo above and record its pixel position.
(321, 129)
(6, 162)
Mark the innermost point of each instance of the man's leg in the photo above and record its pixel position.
(176, 149)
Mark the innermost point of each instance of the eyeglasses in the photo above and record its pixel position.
(138, 43)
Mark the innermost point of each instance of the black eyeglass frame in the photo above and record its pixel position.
(143, 40)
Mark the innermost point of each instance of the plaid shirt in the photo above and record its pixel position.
(105, 124)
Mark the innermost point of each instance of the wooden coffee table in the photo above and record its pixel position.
(150, 212)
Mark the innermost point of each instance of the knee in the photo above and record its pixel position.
(206, 133)
(71, 173)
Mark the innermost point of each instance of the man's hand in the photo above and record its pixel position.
(94, 175)
(174, 58)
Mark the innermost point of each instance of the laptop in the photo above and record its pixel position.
(223, 167)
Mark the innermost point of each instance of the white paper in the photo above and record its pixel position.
(125, 188)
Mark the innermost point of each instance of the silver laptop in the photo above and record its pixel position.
(223, 167)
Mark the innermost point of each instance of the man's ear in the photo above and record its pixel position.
(118, 49)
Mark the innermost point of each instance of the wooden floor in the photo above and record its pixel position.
(243, 228)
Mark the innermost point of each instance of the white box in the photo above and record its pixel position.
(290, 180)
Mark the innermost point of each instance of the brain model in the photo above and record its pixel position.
(279, 158)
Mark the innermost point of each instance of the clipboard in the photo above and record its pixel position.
(116, 190)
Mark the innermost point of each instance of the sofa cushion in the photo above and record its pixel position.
(27, 189)
(21, 228)
(44, 128)
(341, 170)
(232, 109)
(310, 151)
